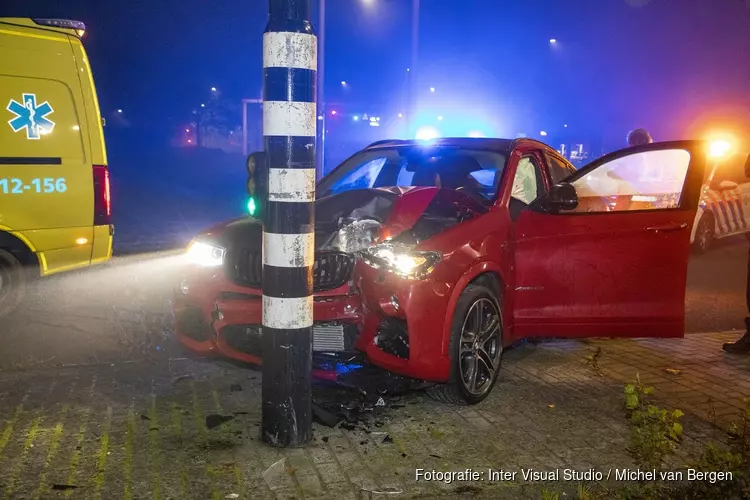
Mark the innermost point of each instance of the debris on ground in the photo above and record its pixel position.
(275, 474)
(387, 439)
(183, 378)
(144, 417)
(323, 416)
(359, 396)
(213, 421)
(551, 406)
(377, 493)
(235, 388)
(232, 495)
(64, 487)
(673, 371)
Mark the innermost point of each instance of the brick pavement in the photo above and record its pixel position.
(136, 430)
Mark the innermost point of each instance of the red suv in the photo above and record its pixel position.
(432, 257)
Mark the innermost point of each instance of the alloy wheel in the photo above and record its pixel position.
(480, 347)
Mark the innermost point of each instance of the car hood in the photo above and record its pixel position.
(352, 219)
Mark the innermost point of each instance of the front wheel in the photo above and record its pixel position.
(476, 348)
(13, 282)
(704, 234)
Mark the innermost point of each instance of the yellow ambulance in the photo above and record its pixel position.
(55, 207)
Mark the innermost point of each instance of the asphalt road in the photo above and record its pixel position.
(120, 311)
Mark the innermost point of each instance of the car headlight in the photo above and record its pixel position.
(205, 254)
(401, 260)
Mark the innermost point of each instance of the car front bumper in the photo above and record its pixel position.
(212, 315)
(398, 324)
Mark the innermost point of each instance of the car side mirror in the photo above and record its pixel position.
(561, 197)
(257, 184)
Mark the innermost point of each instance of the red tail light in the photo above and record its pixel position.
(102, 198)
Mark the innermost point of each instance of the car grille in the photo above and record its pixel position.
(331, 269)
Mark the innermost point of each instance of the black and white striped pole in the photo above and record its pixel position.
(289, 121)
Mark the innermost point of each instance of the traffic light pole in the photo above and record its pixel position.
(289, 121)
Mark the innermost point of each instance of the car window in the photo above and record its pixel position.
(559, 169)
(474, 172)
(526, 182)
(651, 180)
(362, 177)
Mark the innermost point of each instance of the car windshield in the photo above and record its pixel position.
(476, 172)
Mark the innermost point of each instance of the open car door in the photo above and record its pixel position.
(613, 264)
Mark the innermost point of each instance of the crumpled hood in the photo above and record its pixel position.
(407, 214)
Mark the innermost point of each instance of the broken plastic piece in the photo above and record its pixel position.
(64, 487)
(381, 402)
(232, 495)
(323, 416)
(274, 475)
(383, 491)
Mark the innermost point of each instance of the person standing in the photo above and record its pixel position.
(742, 346)
(639, 137)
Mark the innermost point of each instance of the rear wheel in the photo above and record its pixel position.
(13, 282)
(476, 348)
(704, 233)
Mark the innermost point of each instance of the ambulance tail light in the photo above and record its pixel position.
(102, 196)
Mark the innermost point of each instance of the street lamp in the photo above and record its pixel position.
(321, 70)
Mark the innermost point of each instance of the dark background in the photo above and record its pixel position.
(677, 67)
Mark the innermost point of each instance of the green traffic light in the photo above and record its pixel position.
(252, 207)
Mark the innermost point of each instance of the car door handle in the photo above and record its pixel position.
(668, 228)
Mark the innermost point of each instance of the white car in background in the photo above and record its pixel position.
(724, 208)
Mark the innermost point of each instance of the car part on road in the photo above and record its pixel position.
(13, 282)
(704, 234)
(476, 348)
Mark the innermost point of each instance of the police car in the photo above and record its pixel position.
(724, 208)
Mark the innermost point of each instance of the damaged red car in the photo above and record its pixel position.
(431, 258)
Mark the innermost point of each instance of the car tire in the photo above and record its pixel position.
(469, 356)
(704, 234)
(13, 283)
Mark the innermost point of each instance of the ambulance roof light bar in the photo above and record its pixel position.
(78, 26)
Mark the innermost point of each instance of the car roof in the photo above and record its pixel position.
(489, 144)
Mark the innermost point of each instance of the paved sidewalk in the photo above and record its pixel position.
(136, 431)
(693, 374)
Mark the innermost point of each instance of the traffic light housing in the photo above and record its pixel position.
(257, 184)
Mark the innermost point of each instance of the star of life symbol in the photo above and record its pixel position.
(30, 116)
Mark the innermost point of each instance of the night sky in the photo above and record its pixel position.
(676, 67)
